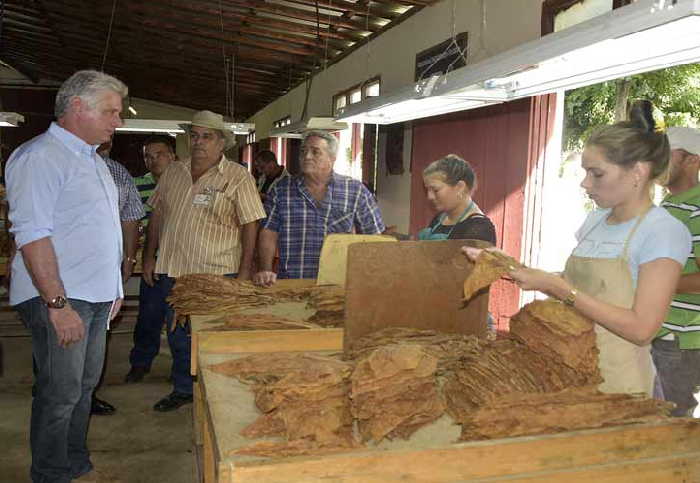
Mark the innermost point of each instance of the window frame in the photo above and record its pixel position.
(361, 87)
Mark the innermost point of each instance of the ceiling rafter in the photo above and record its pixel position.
(174, 51)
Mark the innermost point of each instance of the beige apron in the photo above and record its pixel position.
(625, 367)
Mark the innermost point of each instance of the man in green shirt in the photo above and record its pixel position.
(676, 349)
(158, 153)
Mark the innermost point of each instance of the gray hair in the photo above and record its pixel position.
(331, 140)
(87, 85)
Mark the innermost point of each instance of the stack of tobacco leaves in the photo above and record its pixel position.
(204, 294)
(503, 367)
(262, 322)
(301, 397)
(394, 392)
(329, 303)
(555, 330)
(448, 349)
(517, 414)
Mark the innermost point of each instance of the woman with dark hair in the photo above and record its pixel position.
(624, 271)
(449, 184)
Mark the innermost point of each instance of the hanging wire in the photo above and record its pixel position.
(109, 35)
(232, 111)
(462, 52)
(228, 101)
(325, 50)
(369, 52)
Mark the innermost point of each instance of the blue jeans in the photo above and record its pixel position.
(65, 380)
(153, 311)
(179, 336)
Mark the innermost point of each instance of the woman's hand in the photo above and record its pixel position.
(527, 278)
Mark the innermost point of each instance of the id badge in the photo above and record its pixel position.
(202, 199)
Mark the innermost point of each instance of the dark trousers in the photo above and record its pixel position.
(65, 380)
(153, 311)
(678, 371)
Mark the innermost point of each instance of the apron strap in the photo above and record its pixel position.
(444, 215)
(625, 249)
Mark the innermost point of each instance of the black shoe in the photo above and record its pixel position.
(136, 374)
(101, 408)
(173, 401)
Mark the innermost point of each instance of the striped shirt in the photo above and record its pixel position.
(146, 185)
(200, 222)
(302, 223)
(683, 319)
(130, 206)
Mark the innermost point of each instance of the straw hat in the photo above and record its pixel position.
(212, 120)
(684, 138)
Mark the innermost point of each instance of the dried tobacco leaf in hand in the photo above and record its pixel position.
(490, 266)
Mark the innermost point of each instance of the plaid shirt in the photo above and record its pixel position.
(302, 223)
(130, 206)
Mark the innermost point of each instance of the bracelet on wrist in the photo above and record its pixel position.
(570, 298)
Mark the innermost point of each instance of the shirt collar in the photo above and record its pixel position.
(693, 192)
(334, 178)
(71, 141)
(219, 166)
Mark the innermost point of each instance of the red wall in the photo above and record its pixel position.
(495, 141)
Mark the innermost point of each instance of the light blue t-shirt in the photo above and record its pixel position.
(659, 235)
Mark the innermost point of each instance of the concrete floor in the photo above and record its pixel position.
(134, 445)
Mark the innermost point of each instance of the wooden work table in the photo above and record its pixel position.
(665, 451)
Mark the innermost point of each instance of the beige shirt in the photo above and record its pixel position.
(200, 222)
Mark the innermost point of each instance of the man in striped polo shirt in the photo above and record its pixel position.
(676, 349)
(158, 153)
(205, 220)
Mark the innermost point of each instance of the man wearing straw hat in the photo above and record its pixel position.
(204, 220)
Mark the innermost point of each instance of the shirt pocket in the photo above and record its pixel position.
(340, 221)
(222, 210)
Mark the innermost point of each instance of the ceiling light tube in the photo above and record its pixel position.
(10, 119)
(640, 37)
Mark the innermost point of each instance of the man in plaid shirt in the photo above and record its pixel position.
(130, 212)
(302, 210)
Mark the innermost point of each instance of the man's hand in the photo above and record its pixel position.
(116, 307)
(265, 278)
(68, 325)
(149, 267)
(127, 269)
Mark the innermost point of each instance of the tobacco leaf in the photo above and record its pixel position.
(519, 414)
(490, 266)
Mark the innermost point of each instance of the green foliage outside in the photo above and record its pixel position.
(675, 92)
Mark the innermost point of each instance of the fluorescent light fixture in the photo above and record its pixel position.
(133, 111)
(171, 126)
(297, 129)
(241, 127)
(10, 119)
(152, 125)
(641, 37)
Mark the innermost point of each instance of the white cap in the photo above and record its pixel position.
(685, 138)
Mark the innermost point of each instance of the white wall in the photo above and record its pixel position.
(392, 56)
(157, 110)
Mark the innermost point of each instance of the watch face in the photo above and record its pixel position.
(57, 303)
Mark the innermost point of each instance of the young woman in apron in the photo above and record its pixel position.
(624, 271)
(449, 185)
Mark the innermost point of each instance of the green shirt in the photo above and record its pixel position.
(683, 318)
(146, 185)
